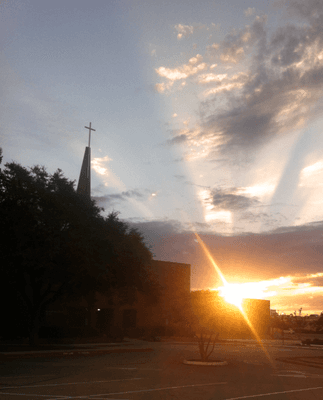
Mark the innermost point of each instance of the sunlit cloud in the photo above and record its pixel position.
(274, 290)
(232, 55)
(184, 31)
(236, 292)
(279, 291)
(223, 88)
(99, 165)
(212, 214)
(194, 66)
(249, 11)
(161, 87)
(259, 190)
(261, 85)
(209, 78)
(224, 216)
(312, 175)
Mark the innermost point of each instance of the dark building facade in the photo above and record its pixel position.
(228, 320)
(127, 310)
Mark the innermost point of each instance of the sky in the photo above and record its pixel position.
(208, 119)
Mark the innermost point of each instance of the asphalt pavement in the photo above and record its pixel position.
(271, 372)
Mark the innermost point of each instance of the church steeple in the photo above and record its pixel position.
(84, 185)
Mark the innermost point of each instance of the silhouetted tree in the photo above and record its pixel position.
(56, 245)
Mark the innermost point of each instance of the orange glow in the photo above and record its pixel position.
(200, 241)
(232, 295)
(235, 292)
(234, 298)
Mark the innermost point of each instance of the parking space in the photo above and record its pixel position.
(162, 375)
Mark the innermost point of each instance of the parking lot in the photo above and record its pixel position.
(279, 373)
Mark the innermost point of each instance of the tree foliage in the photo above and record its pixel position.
(57, 245)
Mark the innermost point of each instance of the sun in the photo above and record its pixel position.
(233, 294)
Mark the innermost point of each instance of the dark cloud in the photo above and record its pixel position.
(315, 281)
(229, 200)
(253, 121)
(281, 89)
(291, 251)
(177, 139)
(110, 199)
(311, 10)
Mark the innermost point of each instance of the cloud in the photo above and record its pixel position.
(211, 78)
(242, 258)
(108, 200)
(177, 139)
(212, 50)
(314, 280)
(160, 87)
(184, 31)
(194, 66)
(312, 10)
(229, 199)
(232, 49)
(312, 175)
(232, 54)
(278, 91)
(99, 165)
(249, 11)
(222, 83)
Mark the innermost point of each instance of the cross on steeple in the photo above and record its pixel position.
(90, 129)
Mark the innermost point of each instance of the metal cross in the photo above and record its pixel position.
(90, 129)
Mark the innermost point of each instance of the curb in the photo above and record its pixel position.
(242, 344)
(205, 363)
(65, 353)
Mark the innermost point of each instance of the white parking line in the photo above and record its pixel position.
(70, 383)
(273, 393)
(94, 396)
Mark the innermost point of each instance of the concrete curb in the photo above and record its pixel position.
(68, 353)
(241, 344)
(205, 363)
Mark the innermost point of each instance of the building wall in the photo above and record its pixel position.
(128, 309)
(212, 310)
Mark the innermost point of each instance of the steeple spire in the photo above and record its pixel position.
(84, 185)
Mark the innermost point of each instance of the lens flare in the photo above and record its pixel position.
(235, 298)
(232, 295)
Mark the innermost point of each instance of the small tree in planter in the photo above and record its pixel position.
(206, 338)
(204, 323)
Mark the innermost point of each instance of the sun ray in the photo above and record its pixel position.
(239, 305)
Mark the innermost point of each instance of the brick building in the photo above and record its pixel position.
(127, 309)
